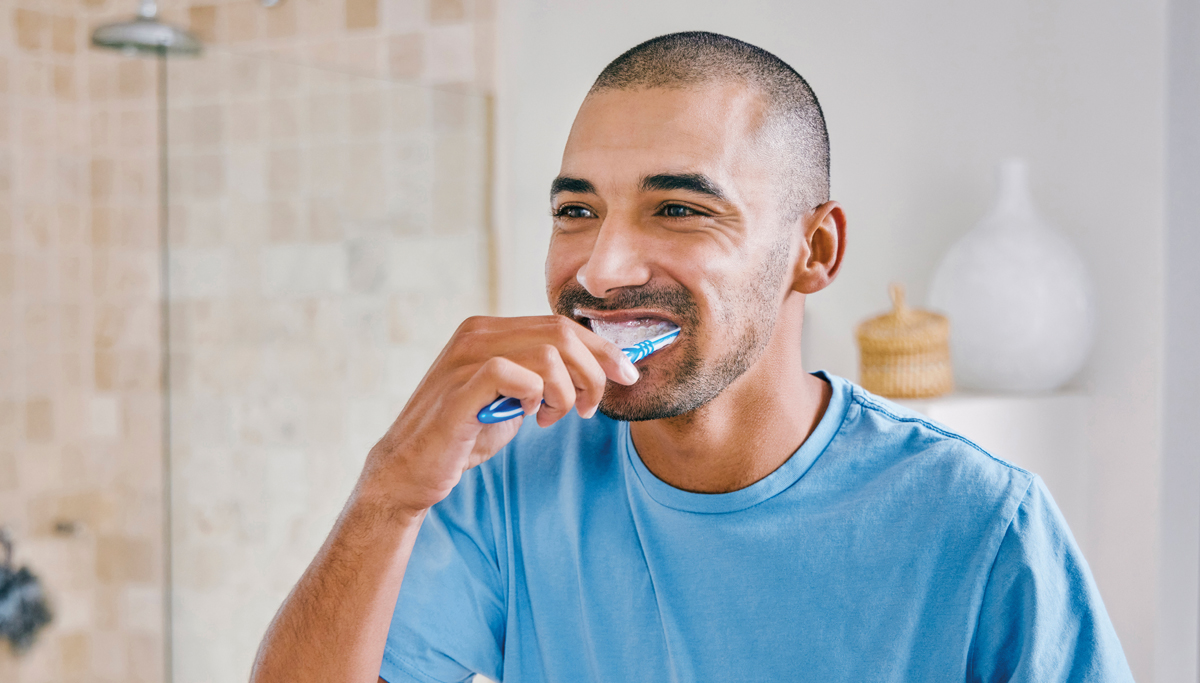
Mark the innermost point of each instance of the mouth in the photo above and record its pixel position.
(625, 328)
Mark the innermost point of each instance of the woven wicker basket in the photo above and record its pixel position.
(905, 353)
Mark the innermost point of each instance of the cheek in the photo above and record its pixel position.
(707, 281)
(726, 310)
(562, 263)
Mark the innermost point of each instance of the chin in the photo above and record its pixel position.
(642, 401)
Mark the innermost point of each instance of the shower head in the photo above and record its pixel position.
(145, 34)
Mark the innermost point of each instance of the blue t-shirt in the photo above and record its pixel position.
(887, 548)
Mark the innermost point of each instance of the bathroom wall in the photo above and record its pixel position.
(328, 236)
(80, 451)
(432, 42)
(1179, 575)
(329, 231)
(328, 227)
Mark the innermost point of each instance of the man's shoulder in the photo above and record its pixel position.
(890, 442)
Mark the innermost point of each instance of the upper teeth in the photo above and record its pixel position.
(626, 333)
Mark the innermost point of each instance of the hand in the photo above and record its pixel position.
(437, 436)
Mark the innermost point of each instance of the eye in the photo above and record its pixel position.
(677, 211)
(574, 211)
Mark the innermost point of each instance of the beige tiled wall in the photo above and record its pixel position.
(321, 257)
(440, 42)
(80, 446)
(328, 230)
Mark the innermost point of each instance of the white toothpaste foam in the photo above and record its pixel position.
(631, 332)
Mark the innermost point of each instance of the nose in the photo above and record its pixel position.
(618, 259)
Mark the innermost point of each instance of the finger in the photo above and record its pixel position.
(564, 333)
(558, 388)
(481, 324)
(483, 337)
(587, 375)
(479, 338)
(500, 377)
(612, 359)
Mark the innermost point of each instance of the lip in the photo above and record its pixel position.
(584, 316)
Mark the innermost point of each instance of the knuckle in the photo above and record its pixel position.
(547, 354)
(464, 342)
(563, 327)
(472, 324)
(495, 366)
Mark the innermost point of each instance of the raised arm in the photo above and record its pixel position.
(334, 624)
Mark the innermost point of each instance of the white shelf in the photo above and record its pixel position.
(1046, 434)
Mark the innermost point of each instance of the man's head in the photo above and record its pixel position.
(792, 122)
(694, 187)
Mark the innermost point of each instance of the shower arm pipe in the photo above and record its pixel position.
(147, 9)
(164, 237)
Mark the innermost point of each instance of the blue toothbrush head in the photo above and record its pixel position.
(644, 348)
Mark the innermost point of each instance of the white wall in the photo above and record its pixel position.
(922, 99)
(1180, 576)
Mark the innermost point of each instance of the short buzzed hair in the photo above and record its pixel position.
(794, 117)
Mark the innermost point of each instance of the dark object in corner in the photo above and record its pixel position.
(23, 608)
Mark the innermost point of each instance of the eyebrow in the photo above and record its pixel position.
(568, 184)
(689, 182)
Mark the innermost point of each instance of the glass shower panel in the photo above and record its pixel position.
(328, 232)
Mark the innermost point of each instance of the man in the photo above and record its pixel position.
(728, 517)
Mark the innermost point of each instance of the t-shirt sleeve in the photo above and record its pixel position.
(449, 619)
(1042, 618)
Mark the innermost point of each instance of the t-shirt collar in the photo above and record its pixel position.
(787, 474)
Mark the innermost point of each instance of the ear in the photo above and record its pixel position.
(821, 250)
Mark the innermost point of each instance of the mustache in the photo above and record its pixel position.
(677, 301)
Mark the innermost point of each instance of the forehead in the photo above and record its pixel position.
(627, 134)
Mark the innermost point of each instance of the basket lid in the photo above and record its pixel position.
(903, 322)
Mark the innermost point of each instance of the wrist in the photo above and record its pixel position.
(391, 485)
(383, 507)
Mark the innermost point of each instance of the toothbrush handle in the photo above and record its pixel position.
(502, 409)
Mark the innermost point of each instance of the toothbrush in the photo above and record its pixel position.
(505, 408)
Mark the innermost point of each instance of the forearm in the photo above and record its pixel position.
(334, 624)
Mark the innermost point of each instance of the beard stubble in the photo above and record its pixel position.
(691, 381)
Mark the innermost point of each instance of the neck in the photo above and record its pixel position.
(750, 429)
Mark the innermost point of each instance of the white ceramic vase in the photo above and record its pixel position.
(1018, 298)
